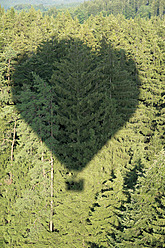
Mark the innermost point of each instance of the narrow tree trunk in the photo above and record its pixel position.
(12, 149)
(51, 176)
(51, 196)
(8, 75)
(13, 142)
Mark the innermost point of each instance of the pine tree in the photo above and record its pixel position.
(36, 105)
(145, 214)
(104, 218)
(82, 121)
(83, 102)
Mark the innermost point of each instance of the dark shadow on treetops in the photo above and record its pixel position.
(75, 98)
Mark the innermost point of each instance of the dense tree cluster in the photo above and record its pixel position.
(129, 8)
(38, 4)
(84, 9)
(82, 130)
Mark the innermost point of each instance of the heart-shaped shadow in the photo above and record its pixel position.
(75, 98)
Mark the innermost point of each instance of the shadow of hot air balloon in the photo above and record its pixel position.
(76, 99)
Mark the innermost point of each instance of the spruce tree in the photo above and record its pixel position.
(102, 106)
(144, 222)
(83, 106)
(35, 160)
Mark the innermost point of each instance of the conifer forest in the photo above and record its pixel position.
(82, 125)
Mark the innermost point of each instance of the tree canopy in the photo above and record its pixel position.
(82, 130)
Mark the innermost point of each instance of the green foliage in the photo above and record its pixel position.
(104, 217)
(144, 222)
(27, 7)
(82, 100)
(23, 5)
(93, 96)
(128, 8)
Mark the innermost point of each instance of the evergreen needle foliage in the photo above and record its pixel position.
(82, 126)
